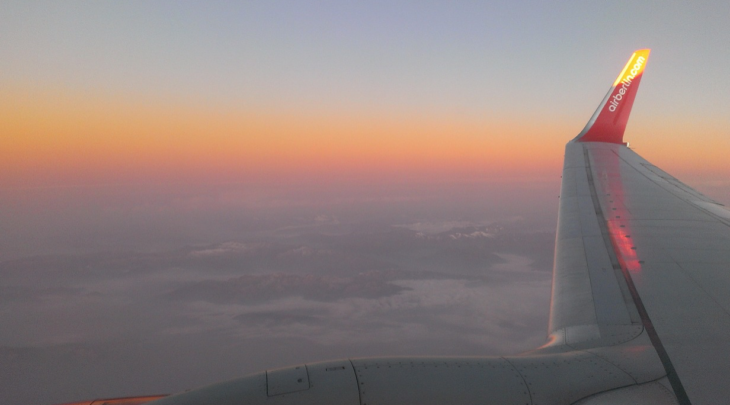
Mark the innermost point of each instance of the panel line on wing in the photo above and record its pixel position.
(357, 380)
(630, 305)
(614, 253)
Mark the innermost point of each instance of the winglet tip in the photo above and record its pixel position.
(609, 121)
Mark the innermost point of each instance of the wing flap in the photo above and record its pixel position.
(590, 299)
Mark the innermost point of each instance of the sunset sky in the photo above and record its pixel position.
(193, 191)
(129, 92)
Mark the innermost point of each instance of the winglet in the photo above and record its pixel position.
(609, 121)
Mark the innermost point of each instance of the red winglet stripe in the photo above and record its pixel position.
(609, 121)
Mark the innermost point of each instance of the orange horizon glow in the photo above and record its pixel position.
(56, 137)
(60, 137)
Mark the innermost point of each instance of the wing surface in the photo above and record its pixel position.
(639, 252)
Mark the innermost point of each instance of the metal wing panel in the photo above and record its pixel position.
(590, 299)
(639, 251)
(674, 244)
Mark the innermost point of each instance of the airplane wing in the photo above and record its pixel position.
(640, 309)
(637, 248)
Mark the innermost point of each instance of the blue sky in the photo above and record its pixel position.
(402, 55)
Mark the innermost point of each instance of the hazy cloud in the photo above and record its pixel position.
(164, 295)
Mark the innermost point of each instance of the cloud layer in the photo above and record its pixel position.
(169, 296)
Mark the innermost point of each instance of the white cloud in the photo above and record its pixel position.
(488, 314)
(228, 247)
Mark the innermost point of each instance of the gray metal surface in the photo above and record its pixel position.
(287, 380)
(330, 382)
(652, 393)
(590, 299)
(534, 378)
(673, 243)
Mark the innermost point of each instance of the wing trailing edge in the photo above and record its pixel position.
(608, 123)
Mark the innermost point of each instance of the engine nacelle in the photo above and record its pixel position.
(536, 378)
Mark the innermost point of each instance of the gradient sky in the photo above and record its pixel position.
(100, 92)
(187, 188)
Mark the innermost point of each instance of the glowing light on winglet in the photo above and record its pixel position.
(609, 121)
(623, 72)
(625, 78)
